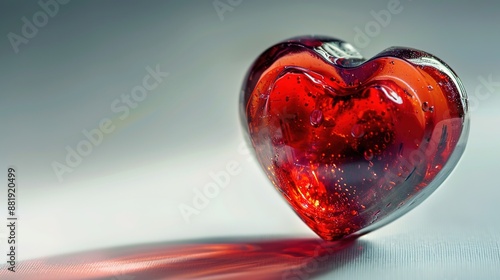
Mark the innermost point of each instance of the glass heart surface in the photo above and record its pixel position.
(353, 144)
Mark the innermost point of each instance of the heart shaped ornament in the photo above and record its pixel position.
(352, 144)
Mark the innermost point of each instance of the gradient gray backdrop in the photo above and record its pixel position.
(129, 188)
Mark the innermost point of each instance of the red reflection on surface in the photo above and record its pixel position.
(269, 259)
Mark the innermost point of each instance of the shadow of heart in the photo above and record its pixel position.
(221, 258)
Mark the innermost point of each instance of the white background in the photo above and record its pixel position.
(129, 188)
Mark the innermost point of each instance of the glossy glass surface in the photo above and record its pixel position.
(352, 144)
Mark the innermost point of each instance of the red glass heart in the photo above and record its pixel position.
(353, 144)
